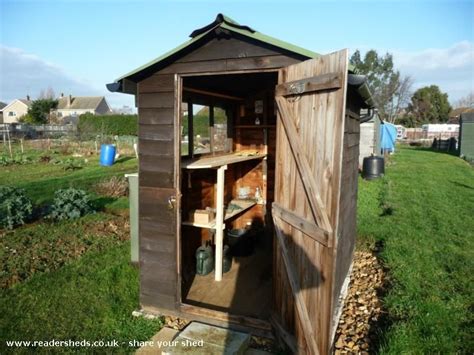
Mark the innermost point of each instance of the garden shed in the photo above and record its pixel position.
(466, 136)
(248, 164)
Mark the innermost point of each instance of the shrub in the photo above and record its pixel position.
(121, 125)
(114, 187)
(70, 203)
(15, 207)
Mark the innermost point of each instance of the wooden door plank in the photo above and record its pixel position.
(295, 287)
(312, 193)
(308, 228)
(316, 83)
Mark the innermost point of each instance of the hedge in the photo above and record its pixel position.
(120, 125)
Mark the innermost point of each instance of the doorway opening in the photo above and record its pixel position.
(228, 123)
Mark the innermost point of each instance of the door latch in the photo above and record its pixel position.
(171, 202)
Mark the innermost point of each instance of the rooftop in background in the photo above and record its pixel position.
(79, 102)
(27, 102)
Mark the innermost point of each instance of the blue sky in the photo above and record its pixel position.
(78, 46)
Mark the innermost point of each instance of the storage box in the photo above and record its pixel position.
(201, 216)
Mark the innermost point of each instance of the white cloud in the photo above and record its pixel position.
(451, 68)
(23, 73)
(458, 56)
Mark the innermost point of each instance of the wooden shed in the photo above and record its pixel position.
(269, 143)
(466, 136)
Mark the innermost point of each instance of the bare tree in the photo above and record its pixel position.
(400, 99)
(47, 93)
(466, 101)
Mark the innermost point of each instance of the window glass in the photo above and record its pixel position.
(206, 138)
(201, 129)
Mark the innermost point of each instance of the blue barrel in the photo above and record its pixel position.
(107, 154)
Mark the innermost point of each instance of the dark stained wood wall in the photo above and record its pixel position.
(157, 223)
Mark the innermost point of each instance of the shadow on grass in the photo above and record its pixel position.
(453, 153)
(461, 185)
(123, 160)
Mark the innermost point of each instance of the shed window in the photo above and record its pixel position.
(208, 129)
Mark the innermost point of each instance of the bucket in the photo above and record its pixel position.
(241, 242)
(107, 154)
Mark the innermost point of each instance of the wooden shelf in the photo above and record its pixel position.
(243, 204)
(216, 161)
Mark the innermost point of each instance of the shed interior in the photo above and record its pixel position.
(230, 120)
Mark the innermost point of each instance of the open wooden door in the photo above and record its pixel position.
(311, 106)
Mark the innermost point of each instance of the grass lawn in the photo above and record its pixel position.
(69, 279)
(421, 214)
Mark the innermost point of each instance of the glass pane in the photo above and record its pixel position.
(220, 130)
(202, 130)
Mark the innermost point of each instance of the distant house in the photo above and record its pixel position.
(71, 107)
(16, 109)
(2, 105)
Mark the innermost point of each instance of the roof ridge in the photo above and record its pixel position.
(221, 19)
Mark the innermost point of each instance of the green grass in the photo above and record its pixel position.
(90, 299)
(71, 279)
(422, 212)
(40, 180)
(47, 246)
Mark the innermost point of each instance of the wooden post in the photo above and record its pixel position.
(219, 238)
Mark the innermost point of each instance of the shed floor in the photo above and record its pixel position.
(244, 290)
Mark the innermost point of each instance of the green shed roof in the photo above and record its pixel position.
(227, 23)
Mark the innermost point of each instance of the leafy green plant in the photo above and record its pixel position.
(15, 207)
(72, 164)
(70, 203)
(16, 159)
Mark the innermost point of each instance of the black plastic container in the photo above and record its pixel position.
(373, 167)
(241, 242)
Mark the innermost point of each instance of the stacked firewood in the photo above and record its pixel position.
(362, 307)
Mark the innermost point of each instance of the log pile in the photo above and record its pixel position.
(362, 307)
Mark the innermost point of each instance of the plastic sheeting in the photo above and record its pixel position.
(388, 136)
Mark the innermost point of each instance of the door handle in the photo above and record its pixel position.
(171, 202)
